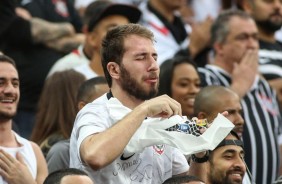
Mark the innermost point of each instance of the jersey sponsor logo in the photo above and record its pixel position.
(269, 105)
(61, 7)
(122, 157)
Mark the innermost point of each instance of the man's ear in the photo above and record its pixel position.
(246, 6)
(202, 115)
(114, 70)
(81, 104)
(218, 48)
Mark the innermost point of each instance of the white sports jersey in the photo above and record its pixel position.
(154, 165)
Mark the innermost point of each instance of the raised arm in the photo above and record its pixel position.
(244, 73)
(95, 150)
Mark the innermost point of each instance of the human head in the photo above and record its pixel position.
(226, 162)
(90, 90)
(68, 176)
(212, 100)
(100, 9)
(9, 88)
(232, 34)
(167, 4)
(57, 106)
(189, 179)
(180, 80)
(101, 16)
(113, 46)
(267, 14)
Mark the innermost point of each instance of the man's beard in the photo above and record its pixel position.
(216, 178)
(131, 86)
(6, 116)
(268, 26)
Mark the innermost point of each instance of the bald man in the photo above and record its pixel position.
(212, 100)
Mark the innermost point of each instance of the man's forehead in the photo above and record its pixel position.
(239, 25)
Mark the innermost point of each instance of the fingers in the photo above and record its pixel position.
(6, 158)
(225, 113)
(20, 158)
(163, 106)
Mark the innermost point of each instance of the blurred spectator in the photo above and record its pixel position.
(58, 156)
(180, 80)
(57, 109)
(21, 161)
(212, 100)
(36, 39)
(268, 17)
(235, 41)
(172, 34)
(100, 16)
(68, 176)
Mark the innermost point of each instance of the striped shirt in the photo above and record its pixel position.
(262, 127)
(270, 60)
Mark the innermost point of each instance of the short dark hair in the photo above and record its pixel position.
(113, 44)
(220, 27)
(209, 97)
(7, 59)
(181, 179)
(56, 176)
(86, 89)
(166, 72)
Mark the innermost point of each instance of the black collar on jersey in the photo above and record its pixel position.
(177, 27)
(109, 95)
(231, 142)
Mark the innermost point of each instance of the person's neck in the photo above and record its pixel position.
(96, 64)
(127, 100)
(165, 12)
(7, 138)
(87, 51)
(225, 65)
(266, 36)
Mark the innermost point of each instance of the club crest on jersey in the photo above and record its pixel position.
(269, 105)
(61, 7)
(159, 148)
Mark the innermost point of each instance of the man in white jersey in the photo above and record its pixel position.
(21, 161)
(101, 131)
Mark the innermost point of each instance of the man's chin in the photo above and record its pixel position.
(6, 116)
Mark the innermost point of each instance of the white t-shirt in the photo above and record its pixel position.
(154, 165)
(73, 59)
(26, 151)
(86, 70)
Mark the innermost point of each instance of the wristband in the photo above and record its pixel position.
(200, 160)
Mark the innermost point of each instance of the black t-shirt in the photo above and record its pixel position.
(33, 60)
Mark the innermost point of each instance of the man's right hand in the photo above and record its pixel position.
(244, 73)
(162, 106)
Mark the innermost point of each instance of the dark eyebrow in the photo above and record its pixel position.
(13, 79)
(233, 151)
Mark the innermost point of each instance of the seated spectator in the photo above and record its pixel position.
(226, 162)
(212, 100)
(56, 109)
(48, 30)
(68, 176)
(180, 80)
(172, 34)
(21, 161)
(99, 17)
(235, 42)
(58, 157)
